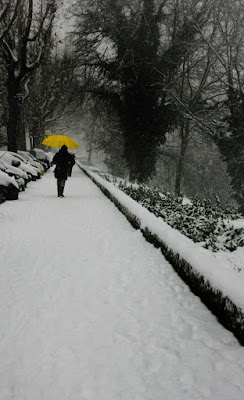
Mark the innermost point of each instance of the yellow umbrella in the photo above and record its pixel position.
(59, 141)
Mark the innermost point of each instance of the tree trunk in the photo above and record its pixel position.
(184, 134)
(21, 138)
(13, 114)
(41, 134)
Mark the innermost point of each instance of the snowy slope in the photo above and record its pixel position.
(89, 310)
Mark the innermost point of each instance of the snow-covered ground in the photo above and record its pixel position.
(90, 311)
(216, 269)
(234, 259)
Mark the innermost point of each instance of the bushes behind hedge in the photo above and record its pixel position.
(204, 223)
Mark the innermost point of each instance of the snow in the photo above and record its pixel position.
(232, 260)
(239, 223)
(8, 157)
(186, 201)
(13, 169)
(217, 270)
(89, 310)
(5, 180)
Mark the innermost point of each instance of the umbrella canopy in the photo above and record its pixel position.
(59, 141)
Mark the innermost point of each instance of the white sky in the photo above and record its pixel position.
(89, 310)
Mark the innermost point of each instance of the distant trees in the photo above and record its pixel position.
(52, 90)
(208, 92)
(104, 135)
(203, 173)
(231, 143)
(191, 93)
(230, 54)
(26, 28)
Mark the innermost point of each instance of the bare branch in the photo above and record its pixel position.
(12, 19)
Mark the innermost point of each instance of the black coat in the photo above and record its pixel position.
(64, 161)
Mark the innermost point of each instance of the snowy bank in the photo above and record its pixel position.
(220, 288)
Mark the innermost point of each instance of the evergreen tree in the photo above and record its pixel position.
(124, 50)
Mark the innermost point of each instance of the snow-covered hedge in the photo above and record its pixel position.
(218, 287)
(201, 221)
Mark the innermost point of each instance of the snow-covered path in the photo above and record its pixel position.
(90, 311)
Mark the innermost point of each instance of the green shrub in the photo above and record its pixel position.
(204, 223)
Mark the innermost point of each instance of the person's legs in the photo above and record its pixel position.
(58, 187)
(61, 187)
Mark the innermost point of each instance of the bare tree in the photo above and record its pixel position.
(191, 92)
(222, 114)
(23, 47)
(47, 103)
(8, 14)
(231, 140)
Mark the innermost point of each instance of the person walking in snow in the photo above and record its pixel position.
(64, 161)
